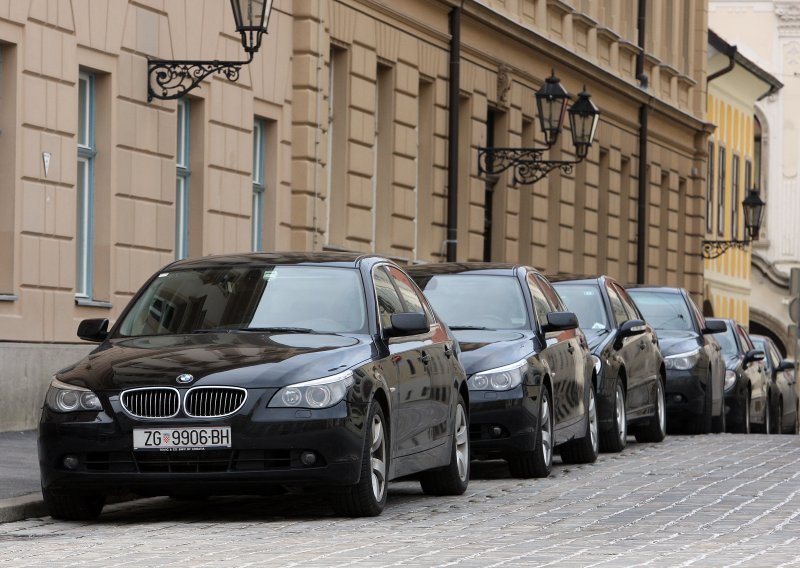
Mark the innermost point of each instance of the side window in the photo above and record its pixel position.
(552, 297)
(699, 320)
(618, 309)
(630, 305)
(408, 293)
(774, 356)
(540, 305)
(744, 339)
(388, 300)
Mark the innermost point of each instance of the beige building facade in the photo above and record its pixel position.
(335, 137)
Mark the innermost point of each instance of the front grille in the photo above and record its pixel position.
(151, 402)
(211, 402)
(210, 461)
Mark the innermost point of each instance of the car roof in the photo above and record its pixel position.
(569, 278)
(651, 288)
(488, 268)
(339, 259)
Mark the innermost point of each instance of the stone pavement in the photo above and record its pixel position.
(717, 500)
(19, 464)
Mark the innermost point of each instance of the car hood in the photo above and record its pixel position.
(489, 349)
(732, 362)
(250, 360)
(673, 342)
(596, 338)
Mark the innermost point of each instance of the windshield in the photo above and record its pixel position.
(312, 298)
(587, 303)
(727, 341)
(663, 310)
(465, 300)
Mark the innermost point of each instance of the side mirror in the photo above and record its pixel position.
(786, 365)
(632, 327)
(95, 330)
(560, 321)
(411, 323)
(754, 355)
(715, 326)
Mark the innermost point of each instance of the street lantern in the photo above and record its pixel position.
(551, 101)
(172, 79)
(753, 213)
(252, 18)
(583, 119)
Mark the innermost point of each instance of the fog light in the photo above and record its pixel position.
(308, 458)
(71, 462)
(496, 431)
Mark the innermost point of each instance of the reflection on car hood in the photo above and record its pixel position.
(596, 338)
(732, 362)
(250, 360)
(673, 342)
(489, 349)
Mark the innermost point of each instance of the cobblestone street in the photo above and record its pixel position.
(721, 500)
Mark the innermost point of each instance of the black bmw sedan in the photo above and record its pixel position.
(746, 383)
(237, 374)
(630, 370)
(693, 359)
(530, 372)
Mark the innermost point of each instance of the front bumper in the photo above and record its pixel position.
(266, 448)
(504, 423)
(685, 391)
(735, 401)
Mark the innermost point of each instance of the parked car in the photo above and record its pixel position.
(627, 360)
(693, 359)
(747, 386)
(530, 372)
(235, 374)
(784, 406)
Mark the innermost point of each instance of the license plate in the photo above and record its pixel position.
(182, 438)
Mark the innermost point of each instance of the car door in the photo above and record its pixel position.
(632, 351)
(409, 382)
(754, 371)
(435, 351)
(565, 356)
(649, 351)
(713, 353)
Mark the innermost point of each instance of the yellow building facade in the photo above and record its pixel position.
(733, 168)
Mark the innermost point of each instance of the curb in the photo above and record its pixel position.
(20, 508)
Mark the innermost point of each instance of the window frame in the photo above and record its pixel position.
(259, 187)
(721, 167)
(710, 189)
(84, 185)
(735, 163)
(183, 173)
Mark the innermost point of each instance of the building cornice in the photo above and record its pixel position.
(788, 13)
(780, 279)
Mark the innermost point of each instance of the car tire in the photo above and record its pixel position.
(766, 427)
(367, 498)
(744, 427)
(701, 423)
(720, 423)
(454, 478)
(73, 507)
(796, 423)
(778, 422)
(538, 462)
(615, 438)
(586, 448)
(656, 429)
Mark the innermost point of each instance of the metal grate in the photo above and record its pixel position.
(151, 402)
(212, 402)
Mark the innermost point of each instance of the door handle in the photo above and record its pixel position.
(447, 351)
(425, 358)
(570, 348)
(642, 344)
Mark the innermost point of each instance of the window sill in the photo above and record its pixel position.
(8, 298)
(88, 303)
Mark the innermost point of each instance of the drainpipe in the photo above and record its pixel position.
(641, 221)
(453, 120)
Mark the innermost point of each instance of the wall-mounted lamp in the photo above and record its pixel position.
(173, 79)
(753, 208)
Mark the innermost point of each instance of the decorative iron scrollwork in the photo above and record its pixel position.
(527, 163)
(173, 79)
(714, 249)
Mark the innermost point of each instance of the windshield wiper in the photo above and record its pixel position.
(478, 327)
(255, 330)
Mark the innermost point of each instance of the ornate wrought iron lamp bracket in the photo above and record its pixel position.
(527, 163)
(168, 79)
(714, 249)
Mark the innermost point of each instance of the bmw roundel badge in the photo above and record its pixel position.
(184, 379)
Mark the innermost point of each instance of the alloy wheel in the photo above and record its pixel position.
(547, 431)
(593, 421)
(378, 455)
(462, 443)
(662, 414)
(621, 416)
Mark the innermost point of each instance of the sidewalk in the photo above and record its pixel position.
(20, 492)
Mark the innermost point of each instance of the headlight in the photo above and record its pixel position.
(598, 365)
(499, 379)
(730, 378)
(682, 361)
(62, 397)
(319, 393)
